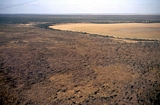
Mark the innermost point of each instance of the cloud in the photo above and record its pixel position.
(15, 5)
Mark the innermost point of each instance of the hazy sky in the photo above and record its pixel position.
(80, 6)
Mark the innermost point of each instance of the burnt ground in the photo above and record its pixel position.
(50, 67)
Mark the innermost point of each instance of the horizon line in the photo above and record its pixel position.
(77, 14)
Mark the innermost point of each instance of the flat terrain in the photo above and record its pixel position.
(50, 67)
(125, 30)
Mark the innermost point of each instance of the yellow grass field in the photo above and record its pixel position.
(125, 30)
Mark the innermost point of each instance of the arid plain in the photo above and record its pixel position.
(43, 66)
(125, 30)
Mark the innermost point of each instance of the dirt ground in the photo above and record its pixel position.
(129, 30)
(51, 67)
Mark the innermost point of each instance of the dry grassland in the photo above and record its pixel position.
(127, 30)
(50, 67)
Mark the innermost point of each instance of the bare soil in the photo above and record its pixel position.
(50, 67)
(125, 30)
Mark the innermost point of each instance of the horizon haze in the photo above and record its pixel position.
(80, 7)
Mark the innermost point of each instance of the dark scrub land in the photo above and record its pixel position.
(42, 66)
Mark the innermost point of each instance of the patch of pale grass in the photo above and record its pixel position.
(125, 30)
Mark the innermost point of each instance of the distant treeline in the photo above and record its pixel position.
(55, 19)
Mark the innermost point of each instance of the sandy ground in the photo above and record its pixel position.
(127, 30)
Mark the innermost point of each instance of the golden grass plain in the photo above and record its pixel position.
(124, 30)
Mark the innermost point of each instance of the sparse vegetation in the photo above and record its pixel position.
(41, 66)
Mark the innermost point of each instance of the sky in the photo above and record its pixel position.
(79, 6)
